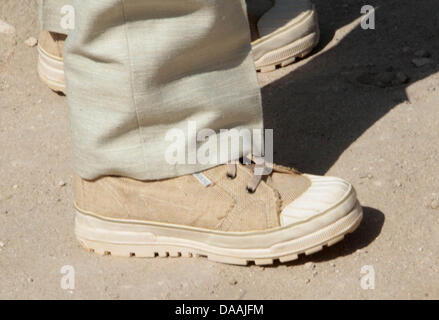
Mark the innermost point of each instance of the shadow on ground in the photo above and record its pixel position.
(367, 232)
(321, 108)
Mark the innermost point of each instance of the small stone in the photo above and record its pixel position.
(400, 78)
(367, 78)
(434, 204)
(421, 249)
(31, 42)
(233, 282)
(2, 244)
(310, 265)
(6, 28)
(420, 62)
(378, 183)
(307, 281)
(332, 264)
(398, 183)
(422, 54)
(384, 79)
(30, 280)
(14, 186)
(314, 273)
(431, 89)
(61, 183)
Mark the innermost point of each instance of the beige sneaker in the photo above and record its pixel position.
(286, 31)
(226, 213)
(50, 60)
(282, 30)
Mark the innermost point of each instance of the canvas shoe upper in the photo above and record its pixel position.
(230, 216)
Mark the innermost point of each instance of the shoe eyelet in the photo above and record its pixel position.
(230, 176)
(250, 191)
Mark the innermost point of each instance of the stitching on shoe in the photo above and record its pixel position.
(222, 225)
(278, 203)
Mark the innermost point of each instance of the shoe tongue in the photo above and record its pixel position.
(255, 10)
(254, 32)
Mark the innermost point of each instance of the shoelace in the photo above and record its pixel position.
(261, 169)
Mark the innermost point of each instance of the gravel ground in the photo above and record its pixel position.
(363, 107)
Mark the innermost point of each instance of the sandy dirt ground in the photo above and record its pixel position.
(336, 112)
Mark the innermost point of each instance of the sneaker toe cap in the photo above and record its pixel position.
(324, 194)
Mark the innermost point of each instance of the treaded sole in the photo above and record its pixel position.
(288, 54)
(291, 250)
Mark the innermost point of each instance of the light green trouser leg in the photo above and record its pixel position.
(51, 13)
(137, 69)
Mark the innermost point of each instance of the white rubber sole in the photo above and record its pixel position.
(287, 55)
(51, 71)
(276, 57)
(142, 239)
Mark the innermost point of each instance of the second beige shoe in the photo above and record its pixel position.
(287, 31)
(50, 60)
(226, 213)
(282, 31)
